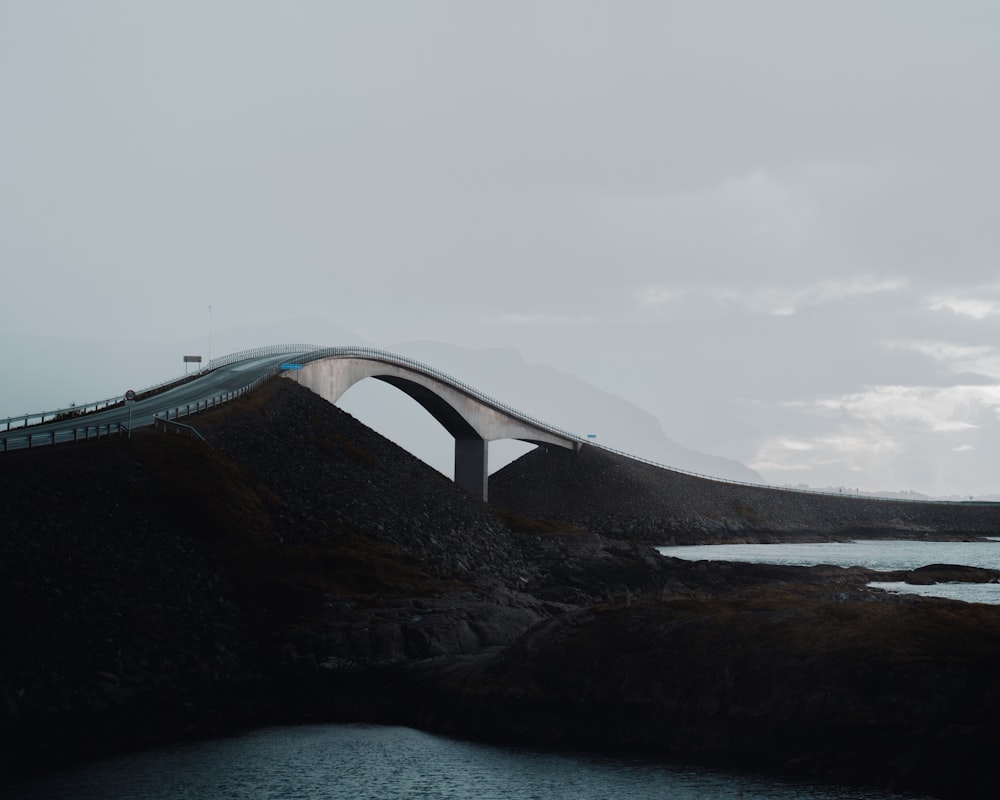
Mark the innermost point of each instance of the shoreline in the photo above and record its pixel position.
(301, 568)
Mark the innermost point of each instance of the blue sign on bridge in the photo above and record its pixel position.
(291, 366)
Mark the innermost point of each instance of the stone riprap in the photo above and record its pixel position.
(301, 567)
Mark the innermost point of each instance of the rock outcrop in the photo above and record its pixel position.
(602, 491)
(301, 567)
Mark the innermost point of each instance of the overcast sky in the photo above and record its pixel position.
(771, 224)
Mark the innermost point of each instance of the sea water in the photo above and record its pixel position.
(879, 555)
(365, 762)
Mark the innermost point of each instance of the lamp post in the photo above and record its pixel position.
(209, 334)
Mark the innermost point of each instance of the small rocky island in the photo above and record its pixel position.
(296, 566)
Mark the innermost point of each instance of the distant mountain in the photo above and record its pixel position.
(541, 391)
(301, 330)
(54, 372)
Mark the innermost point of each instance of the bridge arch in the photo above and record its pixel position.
(471, 418)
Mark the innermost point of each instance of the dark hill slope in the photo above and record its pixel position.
(156, 586)
(113, 602)
(299, 567)
(331, 477)
(617, 496)
(159, 586)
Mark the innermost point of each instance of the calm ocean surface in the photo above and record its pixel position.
(881, 555)
(362, 762)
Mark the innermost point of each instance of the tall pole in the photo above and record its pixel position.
(209, 335)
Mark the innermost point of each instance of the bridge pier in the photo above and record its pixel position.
(471, 466)
(473, 419)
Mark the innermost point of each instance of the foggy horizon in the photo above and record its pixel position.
(768, 225)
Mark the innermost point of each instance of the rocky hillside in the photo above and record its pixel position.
(602, 491)
(298, 566)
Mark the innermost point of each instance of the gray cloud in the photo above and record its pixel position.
(729, 213)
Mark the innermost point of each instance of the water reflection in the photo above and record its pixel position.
(879, 554)
(360, 762)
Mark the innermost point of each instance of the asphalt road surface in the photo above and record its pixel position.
(171, 402)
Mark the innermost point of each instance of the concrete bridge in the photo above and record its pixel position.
(471, 417)
(468, 415)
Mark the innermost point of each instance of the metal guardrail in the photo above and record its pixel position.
(84, 433)
(79, 410)
(73, 411)
(392, 358)
(309, 353)
(417, 366)
(166, 415)
(772, 487)
(211, 402)
(177, 427)
(260, 352)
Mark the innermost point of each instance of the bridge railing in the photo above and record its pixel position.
(417, 366)
(260, 352)
(218, 399)
(798, 489)
(82, 433)
(165, 416)
(409, 363)
(79, 410)
(163, 424)
(308, 353)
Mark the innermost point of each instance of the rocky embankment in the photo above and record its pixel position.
(301, 567)
(600, 490)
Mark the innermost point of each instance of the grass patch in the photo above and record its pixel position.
(519, 523)
(228, 511)
(288, 585)
(747, 512)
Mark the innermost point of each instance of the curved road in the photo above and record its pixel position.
(214, 384)
(222, 381)
(236, 373)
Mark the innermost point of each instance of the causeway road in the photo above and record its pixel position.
(170, 402)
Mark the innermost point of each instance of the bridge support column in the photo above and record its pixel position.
(471, 470)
